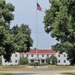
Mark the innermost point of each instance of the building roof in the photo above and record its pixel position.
(39, 52)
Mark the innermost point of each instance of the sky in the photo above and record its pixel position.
(25, 12)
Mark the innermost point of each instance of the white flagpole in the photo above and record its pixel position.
(36, 29)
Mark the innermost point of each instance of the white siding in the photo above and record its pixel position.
(14, 59)
(62, 58)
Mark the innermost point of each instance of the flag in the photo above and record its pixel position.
(38, 7)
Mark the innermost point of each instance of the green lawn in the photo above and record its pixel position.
(5, 73)
(68, 73)
(32, 68)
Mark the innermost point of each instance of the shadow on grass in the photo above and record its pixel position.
(68, 73)
(5, 74)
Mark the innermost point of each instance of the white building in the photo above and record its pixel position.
(62, 59)
(39, 55)
(14, 59)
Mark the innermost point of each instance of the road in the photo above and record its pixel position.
(57, 72)
(35, 74)
(23, 74)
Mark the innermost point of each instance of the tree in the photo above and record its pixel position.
(6, 16)
(51, 60)
(22, 39)
(48, 60)
(23, 60)
(0, 60)
(10, 41)
(59, 20)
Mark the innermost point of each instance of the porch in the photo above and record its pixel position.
(39, 60)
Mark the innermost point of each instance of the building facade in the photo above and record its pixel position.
(14, 59)
(39, 55)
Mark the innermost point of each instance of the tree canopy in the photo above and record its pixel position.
(15, 39)
(22, 39)
(59, 21)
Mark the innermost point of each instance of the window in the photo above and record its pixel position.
(27, 55)
(64, 55)
(32, 60)
(47, 55)
(22, 55)
(58, 61)
(52, 54)
(15, 55)
(64, 61)
(42, 61)
(42, 55)
(10, 61)
(37, 55)
(31, 55)
(59, 55)
(16, 61)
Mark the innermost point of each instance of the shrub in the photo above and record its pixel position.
(31, 63)
(51, 60)
(23, 60)
(42, 64)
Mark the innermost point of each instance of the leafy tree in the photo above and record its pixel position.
(0, 60)
(22, 38)
(51, 60)
(59, 20)
(23, 60)
(48, 60)
(6, 47)
(12, 41)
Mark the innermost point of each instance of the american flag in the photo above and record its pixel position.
(39, 7)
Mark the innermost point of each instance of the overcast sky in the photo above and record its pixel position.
(25, 12)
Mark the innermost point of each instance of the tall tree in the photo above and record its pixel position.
(22, 38)
(59, 20)
(10, 41)
(6, 17)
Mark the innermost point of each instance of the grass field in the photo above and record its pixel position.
(68, 73)
(31, 68)
(5, 73)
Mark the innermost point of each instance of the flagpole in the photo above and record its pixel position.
(36, 30)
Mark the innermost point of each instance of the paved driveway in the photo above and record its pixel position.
(23, 74)
(37, 72)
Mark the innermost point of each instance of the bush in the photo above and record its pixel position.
(42, 64)
(23, 60)
(51, 60)
(31, 63)
(36, 63)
